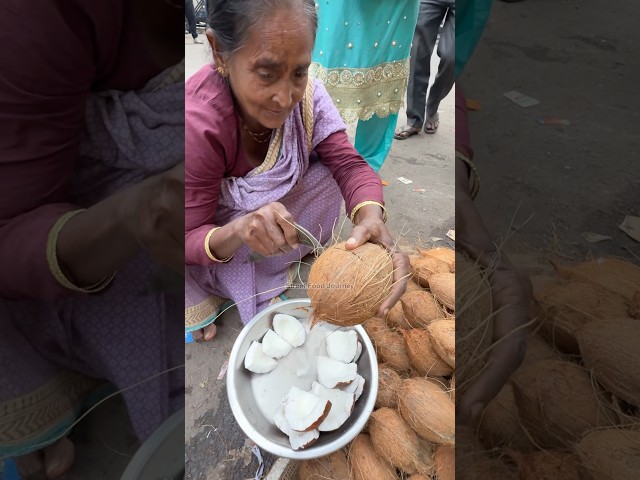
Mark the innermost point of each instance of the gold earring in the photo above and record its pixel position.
(222, 71)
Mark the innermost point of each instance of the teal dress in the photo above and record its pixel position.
(362, 57)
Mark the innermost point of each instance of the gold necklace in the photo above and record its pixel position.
(262, 137)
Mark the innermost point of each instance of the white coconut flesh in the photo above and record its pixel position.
(342, 345)
(297, 440)
(334, 373)
(356, 387)
(341, 406)
(289, 329)
(304, 411)
(256, 361)
(274, 346)
(358, 352)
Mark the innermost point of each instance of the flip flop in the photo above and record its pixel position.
(434, 121)
(406, 132)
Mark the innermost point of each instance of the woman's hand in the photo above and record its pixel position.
(269, 230)
(370, 228)
(511, 293)
(157, 217)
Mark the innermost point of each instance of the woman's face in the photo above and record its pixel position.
(268, 75)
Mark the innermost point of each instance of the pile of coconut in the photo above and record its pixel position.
(411, 433)
(572, 410)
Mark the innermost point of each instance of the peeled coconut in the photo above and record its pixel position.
(500, 424)
(333, 373)
(388, 384)
(612, 454)
(341, 406)
(423, 267)
(445, 458)
(256, 361)
(356, 387)
(612, 274)
(420, 308)
(365, 462)
(611, 349)
(443, 287)
(274, 346)
(367, 274)
(395, 317)
(298, 440)
(427, 408)
(289, 329)
(558, 402)
(342, 345)
(447, 255)
(443, 339)
(391, 350)
(396, 443)
(304, 411)
(334, 466)
(423, 355)
(566, 307)
(547, 465)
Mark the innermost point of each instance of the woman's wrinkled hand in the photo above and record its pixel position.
(269, 230)
(156, 217)
(371, 228)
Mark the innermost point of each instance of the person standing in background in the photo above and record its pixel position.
(432, 15)
(361, 55)
(190, 13)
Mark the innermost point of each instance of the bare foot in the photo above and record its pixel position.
(50, 463)
(205, 334)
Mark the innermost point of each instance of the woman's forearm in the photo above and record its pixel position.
(226, 240)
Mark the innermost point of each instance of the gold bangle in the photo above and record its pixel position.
(474, 176)
(368, 202)
(208, 250)
(54, 265)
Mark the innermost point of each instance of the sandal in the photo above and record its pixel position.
(431, 124)
(406, 132)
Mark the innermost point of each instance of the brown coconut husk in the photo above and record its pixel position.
(419, 476)
(547, 465)
(334, 466)
(367, 271)
(420, 308)
(446, 255)
(500, 424)
(566, 307)
(427, 408)
(486, 469)
(538, 349)
(423, 355)
(612, 274)
(469, 450)
(365, 462)
(396, 443)
(474, 322)
(612, 454)
(443, 287)
(611, 350)
(443, 339)
(558, 402)
(445, 459)
(390, 349)
(452, 388)
(423, 267)
(395, 317)
(388, 384)
(414, 287)
(374, 325)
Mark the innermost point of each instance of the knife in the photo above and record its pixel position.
(304, 237)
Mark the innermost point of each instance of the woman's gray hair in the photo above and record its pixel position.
(232, 21)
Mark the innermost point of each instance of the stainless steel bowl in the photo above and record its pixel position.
(253, 397)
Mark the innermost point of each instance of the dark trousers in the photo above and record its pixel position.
(431, 15)
(190, 13)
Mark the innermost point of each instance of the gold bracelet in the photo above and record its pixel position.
(208, 250)
(368, 202)
(54, 265)
(474, 176)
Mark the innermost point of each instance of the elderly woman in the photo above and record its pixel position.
(91, 199)
(265, 147)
